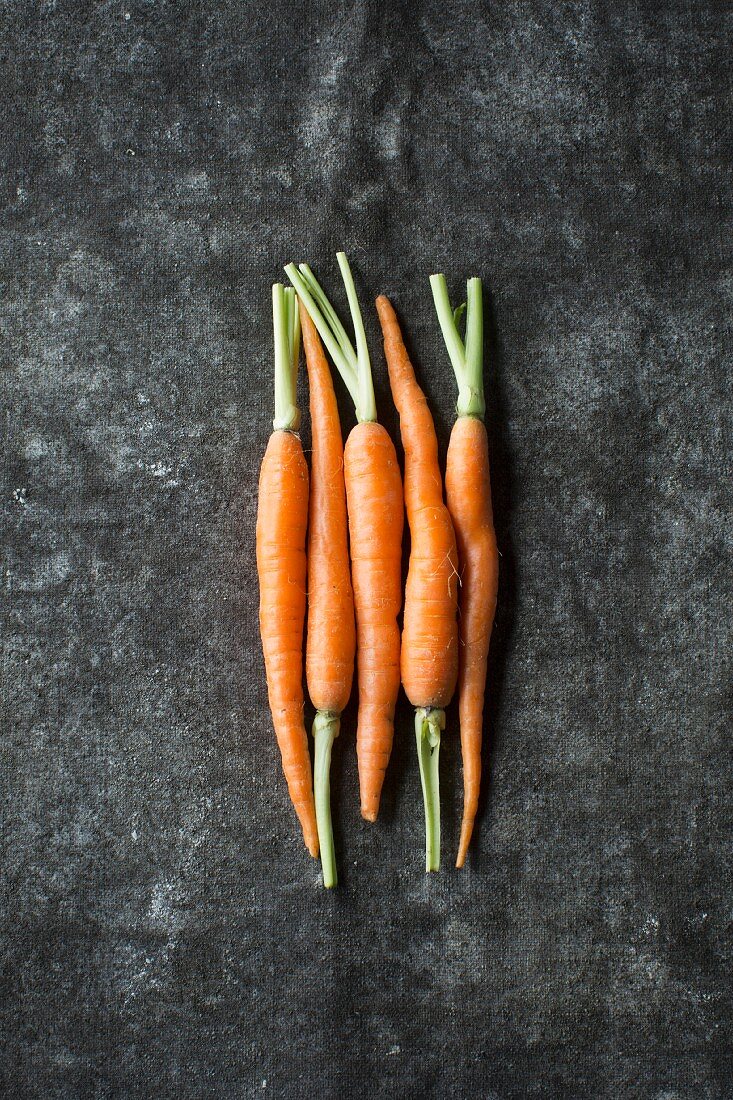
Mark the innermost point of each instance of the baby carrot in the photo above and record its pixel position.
(375, 509)
(282, 518)
(468, 489)
(429, 657)
(330, 636)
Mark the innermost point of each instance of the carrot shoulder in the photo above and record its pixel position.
(282, 518)
(429, 655)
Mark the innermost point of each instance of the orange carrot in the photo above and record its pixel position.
(468, 488)
(282, 518)
(429, 657)
(331, 635)
(374, 495)
(375, 509)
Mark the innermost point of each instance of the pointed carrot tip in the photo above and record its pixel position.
(311, 844)
(369, 815)
(464, 842)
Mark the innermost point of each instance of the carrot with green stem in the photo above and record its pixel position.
(282, 519)
(375, 511)
(330, 634)
(429, 657)
(468, 493)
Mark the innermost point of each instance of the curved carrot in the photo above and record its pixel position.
(331, 635)
(429, 657)
(468, 488)
(282, 518)
(375, 509)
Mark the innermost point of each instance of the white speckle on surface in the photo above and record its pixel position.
(395, 1050)
(19, 496)
(650, 925)
(164, 912)
(158, 470)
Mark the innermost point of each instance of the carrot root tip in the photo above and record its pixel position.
(429, 721)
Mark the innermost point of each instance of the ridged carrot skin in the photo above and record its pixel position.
(331, 633)
(429, 654)
(282, 520)
(468, 488)
(375, 507)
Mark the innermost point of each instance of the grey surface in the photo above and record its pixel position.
(163, 931)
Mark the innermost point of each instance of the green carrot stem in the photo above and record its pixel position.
(353, 365)
(367, 407)
(325, 729)
(329, 313)
(286, 324)
(429, 721)
(466, 359)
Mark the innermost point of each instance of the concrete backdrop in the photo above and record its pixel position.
(163, 933)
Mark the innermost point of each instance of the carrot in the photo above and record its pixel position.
(282, 518)
(375, 510)
(468, 489)
(429, 657)
(330, 636)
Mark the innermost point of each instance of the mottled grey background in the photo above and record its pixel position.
(163, 932)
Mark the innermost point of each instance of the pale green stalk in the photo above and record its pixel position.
(354, 366)
(466, 359)
(325, 730)
(429, 721)
(286, 324)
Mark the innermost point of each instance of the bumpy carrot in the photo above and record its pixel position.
(429, 657)
(468, 488)
(330, 636)
(375, 508)
(282, 518)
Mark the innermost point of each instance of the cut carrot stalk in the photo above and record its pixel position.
(330, 635)
(375, 512)
(468, 492)
(429, 657)
(282, 518)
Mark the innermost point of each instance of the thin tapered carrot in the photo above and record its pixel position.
(468, 489)
(429, 656)
(375, 510)
(282, 519)
(331, 634)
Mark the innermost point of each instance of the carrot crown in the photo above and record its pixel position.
(466, 357)
(286, 322)
(353, 365)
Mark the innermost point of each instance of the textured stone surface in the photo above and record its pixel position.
(163, 931)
